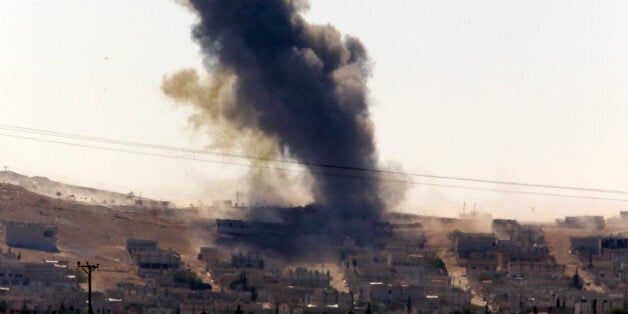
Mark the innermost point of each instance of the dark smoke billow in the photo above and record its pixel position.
(304, 87)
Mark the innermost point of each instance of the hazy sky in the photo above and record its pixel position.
(531, 91)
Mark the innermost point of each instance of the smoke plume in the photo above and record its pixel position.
(294, 87)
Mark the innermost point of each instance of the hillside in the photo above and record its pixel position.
(47, 187)
(97, 233)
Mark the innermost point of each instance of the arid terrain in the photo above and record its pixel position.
(97, 233)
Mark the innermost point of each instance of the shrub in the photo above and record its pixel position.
(438, 263)
(485, 276)
(576, 281)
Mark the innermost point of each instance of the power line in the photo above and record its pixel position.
(349, 176)
(88, 269)
(305, 163)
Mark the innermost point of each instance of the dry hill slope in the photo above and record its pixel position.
(47, 187)
(95, 233)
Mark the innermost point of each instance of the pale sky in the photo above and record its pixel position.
(530, 91)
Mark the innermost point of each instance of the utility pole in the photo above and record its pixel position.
(87, 268)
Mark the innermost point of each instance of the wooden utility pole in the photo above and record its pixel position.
(87, 268)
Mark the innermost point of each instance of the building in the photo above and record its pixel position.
(468, 243)
(34, 236)
(582, 222)
(151, 260)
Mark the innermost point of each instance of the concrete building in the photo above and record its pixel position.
(586, 246)
(511, 230)
(250, 260)
(234, 227)
(307, 278)
(34, 236)
(468, 243)
(151, 260)
(134, 245)
(582, 222)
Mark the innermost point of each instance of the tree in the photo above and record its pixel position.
(576, 281)
(438, 263)
(58, 194)
(243, 280)
(485, 276)
(454, 235)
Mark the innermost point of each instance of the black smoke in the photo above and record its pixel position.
(304, 86)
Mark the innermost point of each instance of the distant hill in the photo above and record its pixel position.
(47, 187)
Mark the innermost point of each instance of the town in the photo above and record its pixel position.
(410, 264)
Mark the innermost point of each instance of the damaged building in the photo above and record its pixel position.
(288, 237)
